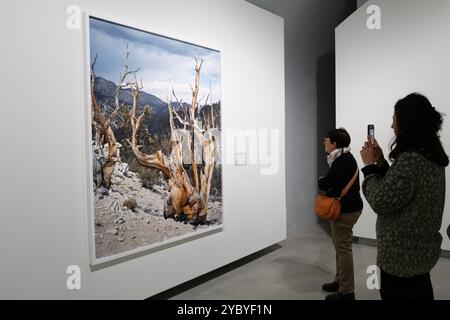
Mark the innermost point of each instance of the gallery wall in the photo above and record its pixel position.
(43, 188)
(375, 68)
(310, 105)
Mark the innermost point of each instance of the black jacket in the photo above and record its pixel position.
(339, 175)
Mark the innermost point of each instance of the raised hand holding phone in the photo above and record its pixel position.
(378, 153)
(371, 152)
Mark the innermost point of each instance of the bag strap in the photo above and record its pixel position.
(349, 185)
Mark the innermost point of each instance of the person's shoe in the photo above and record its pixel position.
(331, 287)
(341, 296)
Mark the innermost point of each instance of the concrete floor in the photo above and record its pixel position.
(294, 269)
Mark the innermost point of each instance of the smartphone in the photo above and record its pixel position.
(371, 133)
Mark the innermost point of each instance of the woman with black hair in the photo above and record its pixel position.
(408, 198)
(343, 168)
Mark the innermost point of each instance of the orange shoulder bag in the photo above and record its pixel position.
(329, 208)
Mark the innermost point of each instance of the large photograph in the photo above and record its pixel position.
(155, 106)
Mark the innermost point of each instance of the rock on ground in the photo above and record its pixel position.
(119, 229)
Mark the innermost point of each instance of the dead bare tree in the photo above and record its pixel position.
(186, 201)
(105, 122)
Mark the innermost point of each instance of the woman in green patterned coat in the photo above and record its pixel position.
(408, 198)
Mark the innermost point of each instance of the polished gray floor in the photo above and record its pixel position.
(294, 269)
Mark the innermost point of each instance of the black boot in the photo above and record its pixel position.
(331, 287)
(341, 296)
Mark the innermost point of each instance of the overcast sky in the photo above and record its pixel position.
(160, 59)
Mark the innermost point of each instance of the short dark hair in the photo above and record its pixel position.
(418, 125)
(340, 137)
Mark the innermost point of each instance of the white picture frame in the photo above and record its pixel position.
(97, 261)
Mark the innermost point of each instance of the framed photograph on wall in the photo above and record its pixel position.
(153, 135)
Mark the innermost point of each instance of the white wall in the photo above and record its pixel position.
(309, 42)
(43, 225)
(374, 69)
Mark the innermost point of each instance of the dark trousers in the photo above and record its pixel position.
(413, 288)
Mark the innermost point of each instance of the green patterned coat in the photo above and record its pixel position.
(409, 200)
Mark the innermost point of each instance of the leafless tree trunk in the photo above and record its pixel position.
(105, 122)
(185, 201)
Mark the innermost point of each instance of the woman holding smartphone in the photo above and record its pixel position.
(408, 198)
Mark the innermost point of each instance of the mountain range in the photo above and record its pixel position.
(158, 122)
(105, 92)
